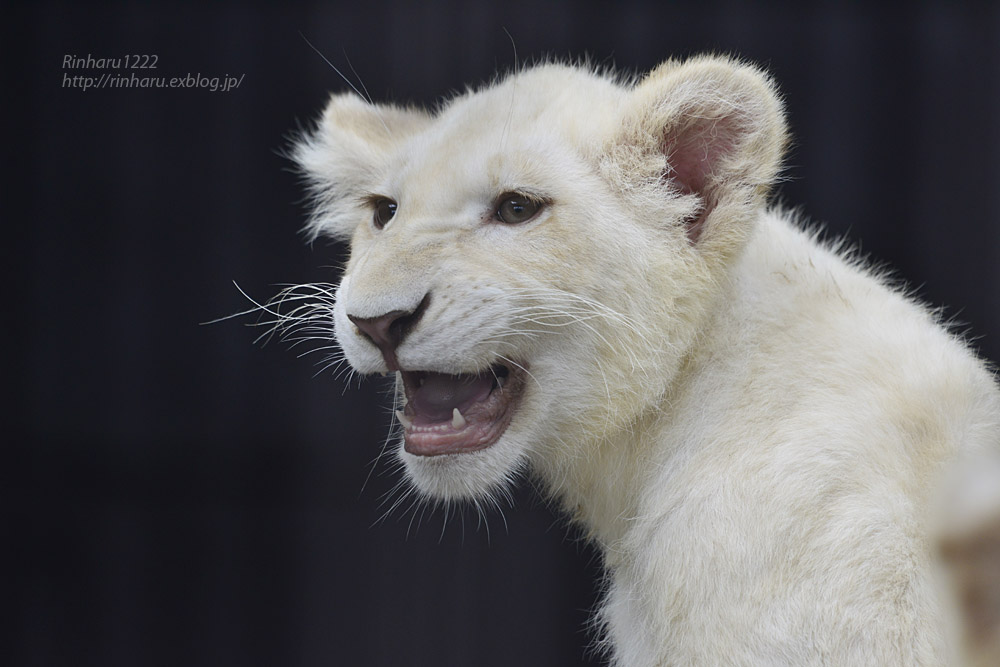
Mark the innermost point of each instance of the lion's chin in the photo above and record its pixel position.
(458, 413)
(471, 476)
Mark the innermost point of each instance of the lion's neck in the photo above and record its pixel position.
(602, 489)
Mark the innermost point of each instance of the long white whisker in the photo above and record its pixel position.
(348, 81)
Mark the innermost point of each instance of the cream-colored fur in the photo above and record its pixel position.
(754, 429)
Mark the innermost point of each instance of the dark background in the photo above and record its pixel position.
(181, 496)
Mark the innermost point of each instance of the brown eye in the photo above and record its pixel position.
(384, 210)
(514, 208)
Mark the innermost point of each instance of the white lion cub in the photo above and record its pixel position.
(578, 276)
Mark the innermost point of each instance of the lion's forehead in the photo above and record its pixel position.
(523, 132)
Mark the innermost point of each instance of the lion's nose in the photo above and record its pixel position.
(388, 331)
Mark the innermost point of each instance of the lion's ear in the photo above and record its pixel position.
(345, 154)
(720, 125)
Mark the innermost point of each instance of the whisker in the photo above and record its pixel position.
(348, 81)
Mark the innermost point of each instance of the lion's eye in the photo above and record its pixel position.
(384, 210)
(514, 208)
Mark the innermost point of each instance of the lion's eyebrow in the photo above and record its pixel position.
(534, 194)
(369, 198)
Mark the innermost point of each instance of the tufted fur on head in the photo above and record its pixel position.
(577, 275)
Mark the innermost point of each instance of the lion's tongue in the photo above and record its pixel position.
(439, 394)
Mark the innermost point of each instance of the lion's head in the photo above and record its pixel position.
(535, 259)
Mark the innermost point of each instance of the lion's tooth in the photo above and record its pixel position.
(457, 420)
(403, 419)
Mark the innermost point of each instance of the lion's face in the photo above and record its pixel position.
(527, 274)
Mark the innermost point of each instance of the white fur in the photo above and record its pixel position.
(752, 428)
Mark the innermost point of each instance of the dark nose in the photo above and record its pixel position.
(388, 331)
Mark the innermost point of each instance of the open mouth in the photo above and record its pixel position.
(452, 414)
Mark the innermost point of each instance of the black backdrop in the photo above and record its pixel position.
(180, 496)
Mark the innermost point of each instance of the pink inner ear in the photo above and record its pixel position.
(694, 152)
